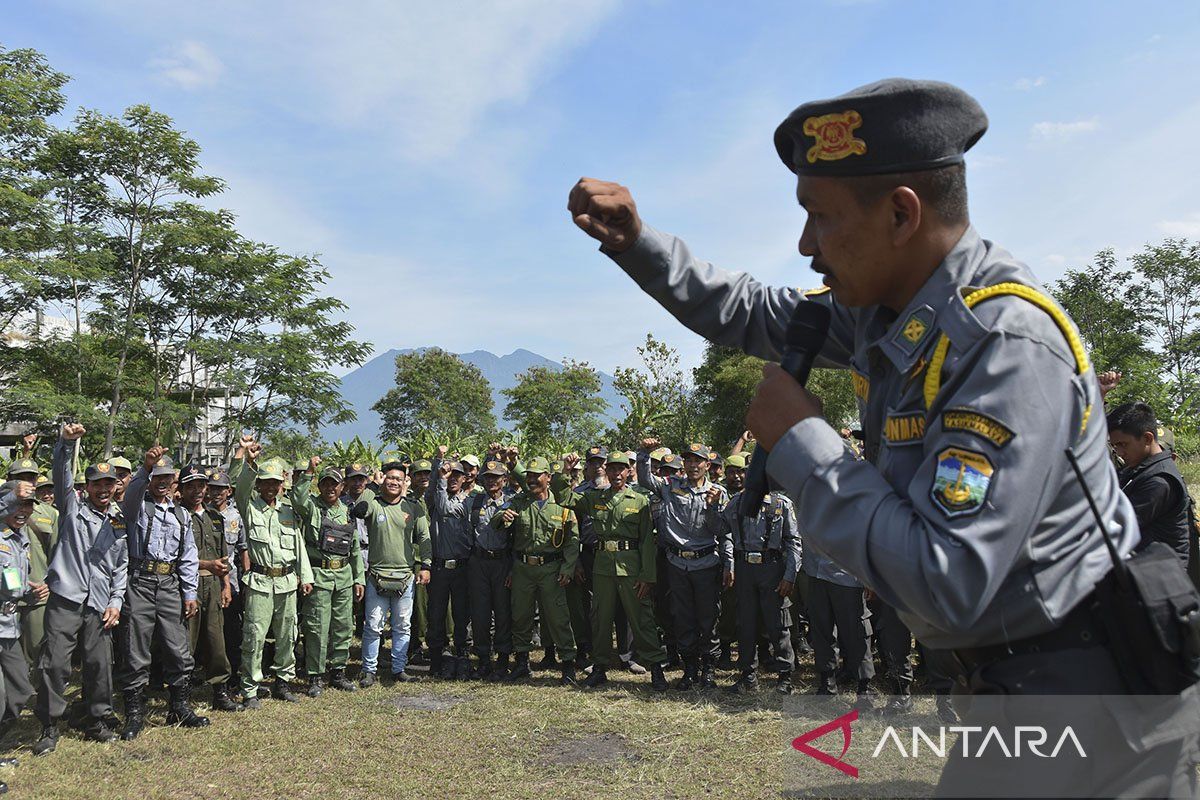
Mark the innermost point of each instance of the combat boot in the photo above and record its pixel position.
(462, 668)
(222, 701)
(691, 671)
(726, 660)
(549, 661)
(865, 699)
(784, 684)
(436, 665)
(708, 678)
(658, 681)
(49, 740)
(599, 677)
(520, 670)
(828, 685)
(569, 678)
(945, 709)
(746, 684)
(500, 670)
(901, 702)
(339, 681)
(180, 712)
(316, 685)
(484, 668)
(366, 680)
(280, 690)
(99, 731)
(135, 715)
(446, 667)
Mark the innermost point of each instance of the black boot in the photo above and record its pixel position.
(691, 671)
(222, 701)
(339, 681)
(828, 685)
(673, 660)
(548, 661)
(500, 670)
(945, 709)
(180, 712)
(436, 665)
(280, 690)
(446, 668)
(599, 677)
(99, 731)
(744, 685)
(135, 715)
(569, 677)
(366, 680)
(658, 681)
(726, 660)
(49, 740)
(708, 677)
(901, 702)
(481, 671)
(462, 668)
(316, 685)
(520, 670)
(784, 684)
(865, 699)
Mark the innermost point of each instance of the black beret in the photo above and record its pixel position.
(893, 125)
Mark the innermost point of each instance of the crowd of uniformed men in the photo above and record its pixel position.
(203, 574)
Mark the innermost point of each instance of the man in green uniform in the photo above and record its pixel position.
(43, 530)
(206, 630)
(624, 570)
(331, 538)
(545, 548)
(271, 564)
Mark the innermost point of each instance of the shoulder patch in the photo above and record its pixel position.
(904, 428)
(978, 423)
(961, 482)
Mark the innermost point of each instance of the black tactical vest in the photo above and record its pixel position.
(1171, 526)
(336, 538)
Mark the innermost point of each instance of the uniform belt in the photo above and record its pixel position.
(273, 572)
(334, 562)
(692, 554)
(763, 557)
(149, 566)
(204, 573)
(613, 545)
(537, 559)
(1079, 629)
(491, 555)
(450, 563)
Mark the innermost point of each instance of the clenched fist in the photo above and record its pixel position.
(72, 431)
(606, 212)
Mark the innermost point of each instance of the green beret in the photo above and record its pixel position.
(890, 126)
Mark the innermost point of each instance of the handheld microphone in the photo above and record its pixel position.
(802, 344)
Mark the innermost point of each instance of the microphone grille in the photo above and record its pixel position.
(809, 326)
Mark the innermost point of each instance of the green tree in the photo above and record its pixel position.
(1171, 273)
(725, 383)
(658, 402)
(435, 392)
(556, 410)
(836, 391)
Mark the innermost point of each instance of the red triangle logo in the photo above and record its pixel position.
(842, 723)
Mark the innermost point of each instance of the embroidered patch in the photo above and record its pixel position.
(4, 548)
(834, 135)
(914, 329)
(904, 428)
(978, 423)
(102, 467)
(599, 507)
(862, 386)
(961, 482)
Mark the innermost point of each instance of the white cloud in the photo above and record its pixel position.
(1063, 131)
(192, 66)
(1188, 227)
(1025, 84)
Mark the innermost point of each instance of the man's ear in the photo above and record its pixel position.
(906, 214)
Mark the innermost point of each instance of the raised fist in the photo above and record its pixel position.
(72, 431)
(651, 443)
(153, 455)
(606, 212)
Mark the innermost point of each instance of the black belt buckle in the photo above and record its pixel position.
(534, 561)
(755, 558)
(333, 563)
(450, 563)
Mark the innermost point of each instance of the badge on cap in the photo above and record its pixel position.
(162, 462)
(834, 134)
(961, 482)
(102, 467)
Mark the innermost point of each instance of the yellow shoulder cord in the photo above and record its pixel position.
(933, 377)
(556, 541)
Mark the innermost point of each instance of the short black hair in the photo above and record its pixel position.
(944, 190)
(1133, 419)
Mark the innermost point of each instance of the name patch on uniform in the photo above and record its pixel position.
(961, 482)
(904, 428)
(983, 426)
(599, 507)
(862, 386)
(5, 548)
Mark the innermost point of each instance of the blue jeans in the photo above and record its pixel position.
(377, 608)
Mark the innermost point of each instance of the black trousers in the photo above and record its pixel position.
(831, 608)
(761, 611)
(895, 643)
(695, 606)
(154, 611)
(15, 688)
(233, 633)
(491, 601)
(449, 587)
(70, 625)
(663, 613)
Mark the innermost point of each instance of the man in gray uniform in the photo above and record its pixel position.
(489, 572)
(694, 559)
(964, 515)
(837, 615)
(87, 580)
(16, 508)
(225, 515)
(761, 557)
(453, 538)
(164, 574)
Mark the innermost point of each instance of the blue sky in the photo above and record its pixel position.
(426, 150)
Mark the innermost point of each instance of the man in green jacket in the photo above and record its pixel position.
(274, 564)
(331, 538)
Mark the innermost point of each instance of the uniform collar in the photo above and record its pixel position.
(935, 308)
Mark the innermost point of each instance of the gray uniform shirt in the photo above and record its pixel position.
(165, 535)
(234, 531)
(14, 555)
(482, 509)
(90, 563)
(449, 518)
(773, 529)
(683, 519)
(966, 516)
